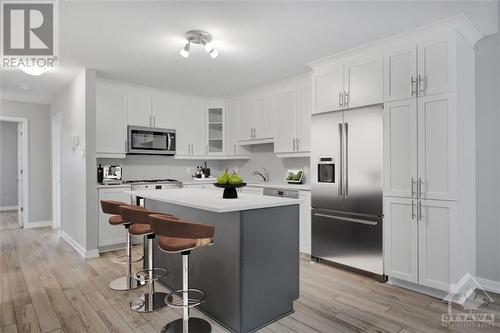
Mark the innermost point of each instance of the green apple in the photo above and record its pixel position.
(235, 180)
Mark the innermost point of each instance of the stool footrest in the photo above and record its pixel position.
(195, 298)
(124, 259)
(157, 274)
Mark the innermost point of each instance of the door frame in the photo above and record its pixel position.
(25, 203)
(55, 127)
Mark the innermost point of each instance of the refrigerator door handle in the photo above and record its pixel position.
(346, 159)
(341, 162)
(346, 219)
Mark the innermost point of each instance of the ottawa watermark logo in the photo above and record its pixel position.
(468, 305)
(29, 40)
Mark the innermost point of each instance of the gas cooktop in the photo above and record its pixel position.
(166, 180)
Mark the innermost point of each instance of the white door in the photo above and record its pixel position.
(247, 119)
(303, 141)
(199, 145)
(139, 110)
(20, 175)
(437, 147)
(400, 71)
(437, 234)
(182, 127)
(285, 106)
(111, 118)
(112, 234)
(265, 118)
(363, 81)
(437, 64)
(56, 171)
(400, 238)
(163, 110)
(400, 148)
(328, 87)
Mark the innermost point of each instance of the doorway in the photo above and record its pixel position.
(14, 198)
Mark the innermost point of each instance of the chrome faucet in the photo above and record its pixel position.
(264, 175)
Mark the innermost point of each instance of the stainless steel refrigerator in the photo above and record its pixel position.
(346, 179)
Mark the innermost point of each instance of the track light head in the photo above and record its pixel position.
(185, 50)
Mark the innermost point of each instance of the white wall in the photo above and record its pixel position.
(488, 157)
(39, 155)
(76, 105)
(263, 156)
(159, 167)
(8, 164)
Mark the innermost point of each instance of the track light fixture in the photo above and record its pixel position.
(202, 38)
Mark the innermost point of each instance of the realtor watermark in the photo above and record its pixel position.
(29, 35)
(473, 300)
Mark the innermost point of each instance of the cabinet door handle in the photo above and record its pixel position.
(341, 100)
(234, 148)
(413, 86)
(421, 84)
(347, 95)
(297, 144)
(419, 210)
(419, 186)
(293, 140)
(413, 193)
(412, 209)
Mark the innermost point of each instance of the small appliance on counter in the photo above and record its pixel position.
(112, 175)
(100, 174)
(294, 176)
(202, 171)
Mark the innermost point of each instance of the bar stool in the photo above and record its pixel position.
(127, 282)
(181, 237)
(152, 300)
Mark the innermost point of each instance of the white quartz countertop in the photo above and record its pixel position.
(211, 200)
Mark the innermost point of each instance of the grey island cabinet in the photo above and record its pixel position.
(251, 273)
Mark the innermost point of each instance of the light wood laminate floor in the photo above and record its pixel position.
(45, 286)
(8, 220)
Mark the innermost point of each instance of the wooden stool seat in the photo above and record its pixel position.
(139, 229)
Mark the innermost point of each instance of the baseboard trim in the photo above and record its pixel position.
(37, 224)
(489, 285)
(77, 247)
(6, 208)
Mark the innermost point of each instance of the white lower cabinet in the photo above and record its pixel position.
(420, 238)
(111, 235)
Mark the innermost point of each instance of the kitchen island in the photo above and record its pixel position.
(251, 273)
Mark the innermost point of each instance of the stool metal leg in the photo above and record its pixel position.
(152, 300)
(126, 282)
(186, 324)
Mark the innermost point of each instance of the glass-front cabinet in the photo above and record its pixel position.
(215, 130)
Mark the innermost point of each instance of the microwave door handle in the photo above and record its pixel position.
(169, 141)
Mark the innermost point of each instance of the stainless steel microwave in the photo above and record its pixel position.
(151, 141)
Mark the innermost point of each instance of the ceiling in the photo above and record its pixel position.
(258, 42)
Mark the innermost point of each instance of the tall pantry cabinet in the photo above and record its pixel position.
(429, 161)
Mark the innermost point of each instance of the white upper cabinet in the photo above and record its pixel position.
(420, 67)
(438, 244)
(162, 110)
(354, 82)
(400, 74)
(293, 119)
(436, 64)
(328, 89)
(111, 109)
(198, 120)
(247, 119)
(363, 81)
(437, 147)
(400, 238)
(139, 109)
(286, 121)
(303, 141)
(400, 148)
(182, 127)
(264, 128)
